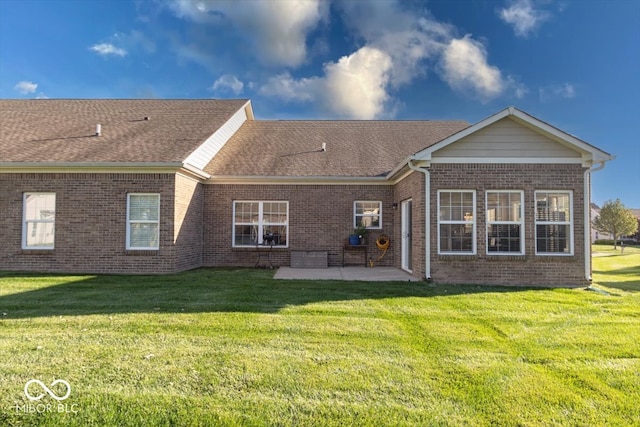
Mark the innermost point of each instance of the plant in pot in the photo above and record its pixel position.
(358, 235)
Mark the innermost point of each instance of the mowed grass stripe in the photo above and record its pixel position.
(235, 347)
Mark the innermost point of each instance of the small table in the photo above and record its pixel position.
(361, 248)
(264, 253)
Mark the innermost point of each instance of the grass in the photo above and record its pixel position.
(235, 347)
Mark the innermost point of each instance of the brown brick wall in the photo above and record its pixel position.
(411, 187)
(196, 225)
(320, 218)
(90, 223)
(529, 269)
(189, 202)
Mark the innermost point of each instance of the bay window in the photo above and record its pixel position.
(505, 226)
(554, 222)
(457, 222)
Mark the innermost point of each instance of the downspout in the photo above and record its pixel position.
(587, 218)
(427, 219)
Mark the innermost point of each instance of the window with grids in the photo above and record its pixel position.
(456, 221)
(260, 223)
(505, 225)
(143, 221)
(39, 220)
(367, 214)
(554, 223)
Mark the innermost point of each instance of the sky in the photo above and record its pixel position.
(574, 64)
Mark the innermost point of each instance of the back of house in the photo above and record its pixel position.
(162, 186)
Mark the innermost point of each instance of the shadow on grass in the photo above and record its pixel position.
(201, 290)
(627, 279)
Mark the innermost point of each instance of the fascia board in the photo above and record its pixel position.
(101, 167)
(509, 160)
(297, 180)
(207, 150)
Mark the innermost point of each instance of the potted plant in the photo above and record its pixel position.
(358, 235)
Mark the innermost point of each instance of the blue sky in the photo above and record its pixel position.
(572, 63)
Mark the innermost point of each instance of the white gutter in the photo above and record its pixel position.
(587, 218)
(297, 180)
(427, 219)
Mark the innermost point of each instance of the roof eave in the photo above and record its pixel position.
(300, 180)
(102, 167)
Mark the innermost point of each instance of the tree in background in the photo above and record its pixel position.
(637, 235)
(616, 220)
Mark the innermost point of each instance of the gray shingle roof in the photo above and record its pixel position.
(354, 148)
(54, 130)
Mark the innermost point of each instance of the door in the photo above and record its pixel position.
(406, 232)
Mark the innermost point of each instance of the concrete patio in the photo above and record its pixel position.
(376, 274)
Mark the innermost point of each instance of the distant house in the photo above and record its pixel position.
(601, 235)
(161, 186)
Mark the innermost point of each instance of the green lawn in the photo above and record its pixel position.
(235, 347)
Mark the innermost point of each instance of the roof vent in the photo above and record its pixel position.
(147, 118)
(98, 129)
(324, 146)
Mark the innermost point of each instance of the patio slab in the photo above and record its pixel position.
(376, 274)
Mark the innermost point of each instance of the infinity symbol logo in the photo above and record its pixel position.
(46, 389)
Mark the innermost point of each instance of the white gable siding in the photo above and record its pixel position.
(202, 155)
(506, 139)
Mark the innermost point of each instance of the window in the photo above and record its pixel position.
(505, 222)
(554, 224)
(456, 222)
(260, 223)
(143, 221)
(39, 215)
(367, 214)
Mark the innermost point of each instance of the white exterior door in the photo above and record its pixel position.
(406, 231)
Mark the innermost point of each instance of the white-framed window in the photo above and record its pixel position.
(457, 222)
(505, 222)
(260, 223)
(143, 221)
(38, 220)
(554, 222)
(367, 214)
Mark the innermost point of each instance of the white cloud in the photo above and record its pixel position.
(24, 87)
(564, 91)
(354, 87)
(277, 28)
(285, 87)
(465, 69)
(106, 49)
(394, 45)
(357, 84)
(228, 83)
(523, 17)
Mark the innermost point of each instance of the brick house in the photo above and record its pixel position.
(161, 186)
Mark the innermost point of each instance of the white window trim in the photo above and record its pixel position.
(260, 223)
(38, 221)
(521, 223)
(129, 222)
(356, 216)
(570, 223)
(475, 220)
